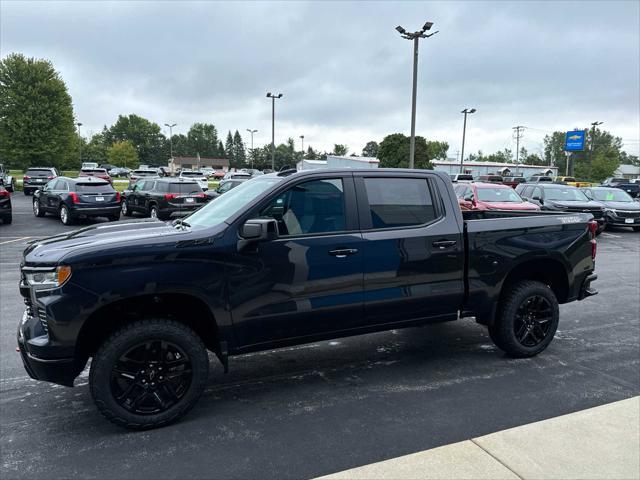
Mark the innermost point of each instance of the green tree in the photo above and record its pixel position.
(202, 138)
(36, 114)
(311, 154)
(145, 136)
(340, 150)
(229, 150)
(370, 149)
(123, 154)
(95, 150)
(626, 159)
(239, 152)
(394, 151)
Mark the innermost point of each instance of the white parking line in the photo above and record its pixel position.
(15, 240)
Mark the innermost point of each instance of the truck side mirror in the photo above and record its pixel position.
(257, 230)
(468, 198)
(537, 199)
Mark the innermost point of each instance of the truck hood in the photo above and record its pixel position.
(635, 206)
(575, 206)
(99, 237)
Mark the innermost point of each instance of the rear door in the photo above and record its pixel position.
(413, 250)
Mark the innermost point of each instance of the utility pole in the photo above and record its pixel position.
(251, 132)
(171, 140)
(302, 138)
(517, 134)
(273, 128)
(593, 139)
(415, 37)
(466, 111)
(79, 143)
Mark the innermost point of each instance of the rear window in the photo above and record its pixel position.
(144, 172)
(38, 172)
(569, 179)
(184, 187)
(192, 174)
(94, 171)
(399, 202)
(94, 188)
(465, 177)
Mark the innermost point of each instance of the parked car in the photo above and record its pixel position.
(461, 177)
(287, 259)
(219, 174)
(619, 208)
(225, 187)
(35, 178)
(74, 198)
(614, 181)
(5, 206)
(95, 172)
(234, 176)
(207, 171)
(163, 198)
(119, 172)
(6, 180)
(89, 165)
(633, 189)
(562, 198)
(513, 182)
(490, 196)
(572, 181)
(136, 175)
(107, 166)
(196, 176)
(489, 178)
(540, 179)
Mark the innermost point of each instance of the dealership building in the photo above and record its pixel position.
(493, 168)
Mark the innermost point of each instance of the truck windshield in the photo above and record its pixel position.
(613, 195)
(223, 207)
(565, 195)
(498, 195)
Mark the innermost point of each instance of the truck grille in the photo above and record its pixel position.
(39, 312)
(627, 214)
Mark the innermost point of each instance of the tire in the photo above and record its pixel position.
(154, 212)
(37, 211)
(65, 215)
(126, 211)
(527, 319)
(26, 192)
(137, 341)
(114, 218)
(10, 187)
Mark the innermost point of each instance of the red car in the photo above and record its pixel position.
(95, 172)
(490, 196)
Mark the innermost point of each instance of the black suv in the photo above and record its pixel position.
(35, 178)
(72, 198)
(163, 198)
(561, 198)
(5, 206)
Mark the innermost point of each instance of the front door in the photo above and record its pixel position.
(308, 281)
(413, 251)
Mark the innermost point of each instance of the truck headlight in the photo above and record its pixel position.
(48, 279)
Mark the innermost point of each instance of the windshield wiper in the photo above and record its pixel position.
(181, 223)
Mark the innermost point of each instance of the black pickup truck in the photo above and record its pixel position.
(286, 259)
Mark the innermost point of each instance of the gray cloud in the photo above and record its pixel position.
(345, 72)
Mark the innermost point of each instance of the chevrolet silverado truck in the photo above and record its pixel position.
(283, 259)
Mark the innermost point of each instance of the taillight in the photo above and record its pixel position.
(74, 197)
(5, 193)
(50, 177)
(593, 230)
(201, 195)
(26, 177)
(170, 196)
(117, 196)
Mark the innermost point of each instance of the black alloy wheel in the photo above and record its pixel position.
(151, 377)
(532, 321)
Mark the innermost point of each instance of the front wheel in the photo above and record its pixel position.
(37, 211)
(149, 373)
(527, 319)
(126, 211)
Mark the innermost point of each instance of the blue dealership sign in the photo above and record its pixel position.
(574, 141)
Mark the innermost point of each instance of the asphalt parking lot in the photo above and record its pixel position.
(320, 408)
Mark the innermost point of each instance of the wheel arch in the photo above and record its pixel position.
(550, 271)
(185, 308)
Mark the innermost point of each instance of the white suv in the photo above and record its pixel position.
(199, 177)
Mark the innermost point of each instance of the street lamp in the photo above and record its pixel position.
(171, 137)
(302, 139)
(273, 127)
(79, 143)
(251, 132)
(415, 36)
(466, 111)
(593, 138)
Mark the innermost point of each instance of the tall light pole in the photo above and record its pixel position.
(415, 36)
(79, 143)
(466, 111)
(518, 135)
(593, 139)
(251, 132)
(302, 139)
(273, 128)
(171, 137)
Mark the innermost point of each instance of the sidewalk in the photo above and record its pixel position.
(598, 443)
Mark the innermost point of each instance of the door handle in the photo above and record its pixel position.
(442, 244)
(343, 252)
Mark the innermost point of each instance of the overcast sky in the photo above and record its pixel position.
(344, 71)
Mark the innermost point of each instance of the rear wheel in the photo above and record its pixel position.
(527, 319)
(154, 212)
(37, 211)
(126, 211)
(27, 192)
(149, 373)
(65, 215)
